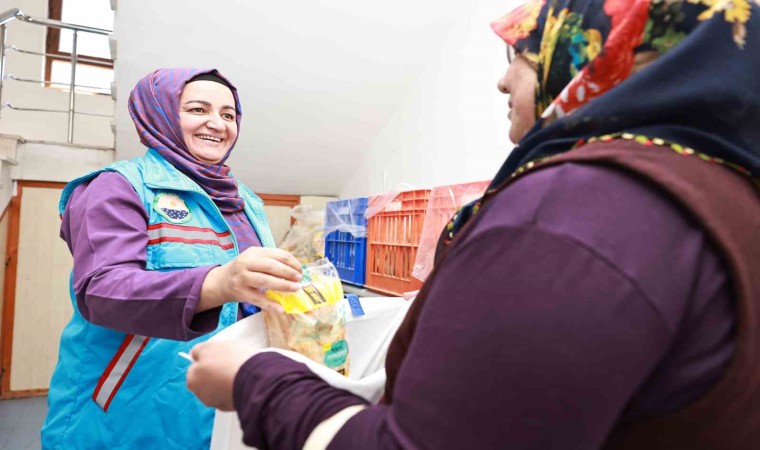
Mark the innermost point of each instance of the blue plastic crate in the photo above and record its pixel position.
(347, 253)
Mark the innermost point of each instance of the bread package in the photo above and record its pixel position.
(314, 321)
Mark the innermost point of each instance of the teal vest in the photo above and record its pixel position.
(111, 390)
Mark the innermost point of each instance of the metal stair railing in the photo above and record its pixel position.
(15, 14)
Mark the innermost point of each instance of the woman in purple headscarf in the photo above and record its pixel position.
(168, 248)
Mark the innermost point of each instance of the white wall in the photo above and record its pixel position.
(37, 125)
(452, 126)
(57, 162)
(334, 93)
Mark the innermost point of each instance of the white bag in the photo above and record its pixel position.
(368, 336)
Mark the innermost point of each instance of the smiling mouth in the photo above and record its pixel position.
(206, 137)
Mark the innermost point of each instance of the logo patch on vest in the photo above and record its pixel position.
(171, 207)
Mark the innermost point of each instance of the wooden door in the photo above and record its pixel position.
(36, 304)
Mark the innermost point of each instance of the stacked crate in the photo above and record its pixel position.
(393, 235)
(347, 252)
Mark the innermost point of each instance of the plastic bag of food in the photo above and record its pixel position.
(314, 321)
(305, 239)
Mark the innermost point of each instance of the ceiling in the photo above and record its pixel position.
(319, 80)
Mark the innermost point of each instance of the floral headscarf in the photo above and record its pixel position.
(684, 71)
(154, 107)
(583, 49)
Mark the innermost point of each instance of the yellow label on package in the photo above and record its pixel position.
(320, 291)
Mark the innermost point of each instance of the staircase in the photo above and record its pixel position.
(49, 131)
(31, 160)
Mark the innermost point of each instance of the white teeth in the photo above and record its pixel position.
(206, 137)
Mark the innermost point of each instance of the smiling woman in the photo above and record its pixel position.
(207, 119)
(189, 245)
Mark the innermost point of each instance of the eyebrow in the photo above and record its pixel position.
(205, 103)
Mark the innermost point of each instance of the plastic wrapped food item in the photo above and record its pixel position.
(305, 239)
(314, 321)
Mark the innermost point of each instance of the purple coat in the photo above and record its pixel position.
(560, 317)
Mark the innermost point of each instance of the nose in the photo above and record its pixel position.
(502, 85)
(215, 122)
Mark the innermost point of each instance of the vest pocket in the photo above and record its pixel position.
(175, 255)
(179, 246)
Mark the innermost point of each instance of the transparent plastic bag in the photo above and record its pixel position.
(381, 202)
(346, 215)
(443, 204)
(306, 238)
(314, 321)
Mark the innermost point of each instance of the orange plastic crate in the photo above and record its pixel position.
(392, 239)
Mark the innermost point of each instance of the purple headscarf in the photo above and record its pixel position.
(154, 107)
